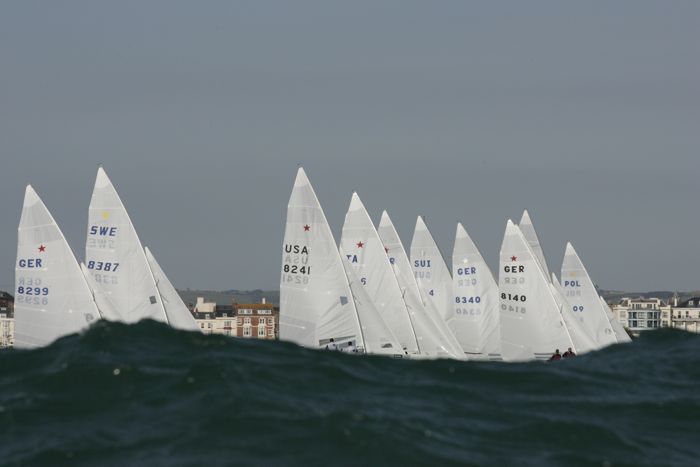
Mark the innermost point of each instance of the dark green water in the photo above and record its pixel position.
(147, 395)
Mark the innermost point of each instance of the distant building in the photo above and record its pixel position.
(257, 320)
(7, 322)
(642, 314)
(686, 315)
(213, 318)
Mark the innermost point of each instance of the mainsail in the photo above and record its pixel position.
(178, 315)
(531, 322)
(116, 260)
(432, 341)
(619, 330)
(366, 254)
(315, 300)
(433, 279)
(52, 298)
(584, 299)
(378, 336)
(574, 324)
(528, 230)
(475, 322)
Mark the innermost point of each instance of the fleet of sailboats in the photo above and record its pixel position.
(119, 281)
(363, 295)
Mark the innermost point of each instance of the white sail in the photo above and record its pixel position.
(574, 324)
(531, 322)
(115, 258)
(365, 252)
(583, 297)
(475, 321)
(620, 333)
(528, 230)
(104, 304)
(178, 315)
(433, 279)
(52, 298)
(315, 300)
(377, 334)
(432, 342)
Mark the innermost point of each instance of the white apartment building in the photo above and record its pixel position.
(642, 314)
(686, 315)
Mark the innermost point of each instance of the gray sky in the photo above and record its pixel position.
(586, 113)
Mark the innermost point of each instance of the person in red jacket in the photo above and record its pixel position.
(569, 353)
(556, 356)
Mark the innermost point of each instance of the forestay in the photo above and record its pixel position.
(531, 322)
(315, 300)
(431, 340)
(52, 298)
(116, 260)
(583, 296)
(366, 255)
(475, 322)
(433, 279)
(178, 315)
(574, 324)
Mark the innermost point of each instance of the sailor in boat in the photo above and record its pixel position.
(569, 353)
(331, 345)
(350, 347)
(556, 356)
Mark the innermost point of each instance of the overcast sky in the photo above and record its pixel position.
(586, 113)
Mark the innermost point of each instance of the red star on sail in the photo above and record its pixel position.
(42, 249)
(360, 244)
(307, 227)
(513, 258)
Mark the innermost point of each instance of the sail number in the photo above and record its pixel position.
(21, 290)
(476, 299)
(294, 269)
(513, 297)
(578, 308)
(103, 266)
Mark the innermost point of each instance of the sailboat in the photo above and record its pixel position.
(178, 315)
(366, 255)
(528, 230)
(432, 342)
(620, 333)
(116, 260)
(52, 298)
(316, 303)
(434, 280)
(475, 322)
(531, 323)
(580, 336)
(584, 299)
(377, 335)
